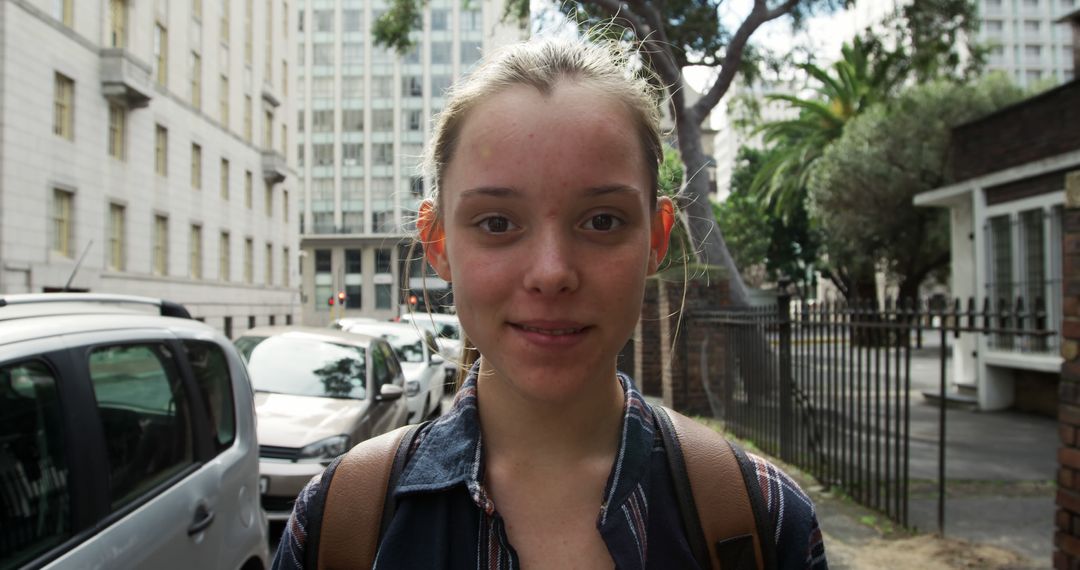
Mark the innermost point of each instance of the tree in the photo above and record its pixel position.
(862, 188)
(787, 246)
(670, 35)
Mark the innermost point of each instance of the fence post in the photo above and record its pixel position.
(787, 392)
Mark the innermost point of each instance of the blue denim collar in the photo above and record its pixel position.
(450, 453)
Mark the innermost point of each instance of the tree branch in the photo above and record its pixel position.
(733, 55)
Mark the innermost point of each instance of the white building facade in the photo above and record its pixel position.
(364, 114)
(143, 152)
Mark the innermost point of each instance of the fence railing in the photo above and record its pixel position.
(827, 386)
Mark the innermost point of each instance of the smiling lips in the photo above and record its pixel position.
(550, 328)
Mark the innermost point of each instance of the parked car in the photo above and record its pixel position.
(127, 438)
(447, 331)
(423, 367)
(318, 392)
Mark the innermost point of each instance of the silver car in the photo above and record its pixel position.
(318, 392)
(127, 438)
(423, 367)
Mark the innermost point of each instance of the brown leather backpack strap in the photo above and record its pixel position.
(352, 514)
(720, 495)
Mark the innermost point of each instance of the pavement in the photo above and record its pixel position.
(1001, 469)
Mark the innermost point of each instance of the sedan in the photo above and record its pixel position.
(318, 392)
(423, 366)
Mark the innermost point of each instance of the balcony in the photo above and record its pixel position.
(269, 98)
(124, 79)
(273, 166)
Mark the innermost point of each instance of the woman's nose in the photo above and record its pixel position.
(552, 269)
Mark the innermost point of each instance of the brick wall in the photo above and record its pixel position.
(674, 353)
(1067, 535)
(1043, 126)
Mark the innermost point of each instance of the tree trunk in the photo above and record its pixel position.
(705, 237)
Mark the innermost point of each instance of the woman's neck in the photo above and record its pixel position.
(527, 431)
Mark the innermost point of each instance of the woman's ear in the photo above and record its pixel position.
(433, 237)
(660, 232)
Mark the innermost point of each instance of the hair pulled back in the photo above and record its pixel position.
(542, 64)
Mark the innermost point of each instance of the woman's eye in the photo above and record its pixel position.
(496, 224)
(603, 223)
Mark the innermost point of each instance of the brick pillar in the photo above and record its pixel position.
(689, 348)
(1067, 535)
(647, 363)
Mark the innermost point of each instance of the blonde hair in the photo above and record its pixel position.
(543, 64)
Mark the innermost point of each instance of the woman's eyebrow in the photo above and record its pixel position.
(490, 191)
(612, 189)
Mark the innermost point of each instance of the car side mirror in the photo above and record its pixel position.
(389, 392)
(436, 358)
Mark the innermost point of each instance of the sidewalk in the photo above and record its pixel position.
(1001, 469)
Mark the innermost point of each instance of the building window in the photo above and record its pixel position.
(117, 23)
(62, 222)
(247, 117)
(382, 86)
(411, 86)
(161, 150)
(117, 131)
(195, 252)
(196, 166)
(352, 20)
(324, 281)
(352, 154)
(439, 19)
(269, 192)
(322, 121)
(117, 251)
(284, 267)
(354, 279)
(249, 261)
(268, 133)
(382, 153)
(414, 120)
(225, 21)
(471, 20)
(224, 179)
(64, 107)
(268, 268)
(323, 154)
(352, 54)
(470, 52)
(324, 20)
(63, 11)
(196, 9)
(382, 120)
(268, 70)
(300, 121)
(224, 257)
(161, 53)
(1024, 265)
(440, 52)
(284, 78)
(300, 155)
(322, 54)
(439, 85)
(249, 31)
(249, 189)
(196, 80)
(285, 205)
(223, 101)
(161, 245)
(284, 140)
(352, 120)
(383, 279)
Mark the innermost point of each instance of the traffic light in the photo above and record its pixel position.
(330, 301)
(341, 298)
(412, 300)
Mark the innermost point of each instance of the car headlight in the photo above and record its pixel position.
(325, 450)
(412, 388)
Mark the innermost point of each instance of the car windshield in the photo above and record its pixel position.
(407, 347)
(305, 367)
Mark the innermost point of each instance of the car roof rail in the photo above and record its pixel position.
(166, 308)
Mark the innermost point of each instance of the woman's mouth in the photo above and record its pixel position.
(552, 332)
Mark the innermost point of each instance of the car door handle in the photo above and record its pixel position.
(203, 517)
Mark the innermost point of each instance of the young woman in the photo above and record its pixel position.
(546, 220)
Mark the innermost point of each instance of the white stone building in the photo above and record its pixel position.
(143, 144)
(364, 114)
(1027, 41)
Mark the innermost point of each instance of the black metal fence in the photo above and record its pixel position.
(827, 386)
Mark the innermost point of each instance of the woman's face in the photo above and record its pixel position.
(549, 235)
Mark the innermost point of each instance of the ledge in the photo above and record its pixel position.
(125, 79)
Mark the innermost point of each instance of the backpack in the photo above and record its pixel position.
(716, 486)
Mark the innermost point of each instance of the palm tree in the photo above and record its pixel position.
(861, 78)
